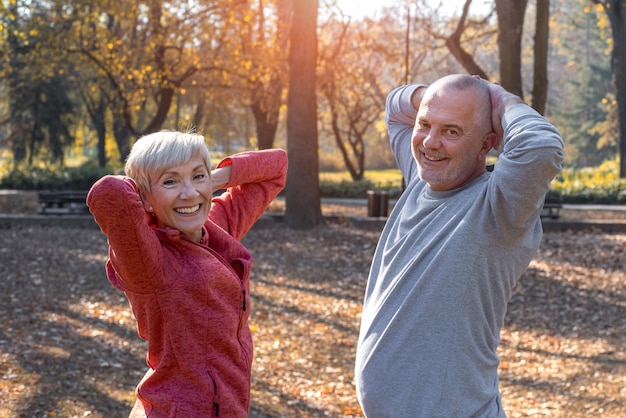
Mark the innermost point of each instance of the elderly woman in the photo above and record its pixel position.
(175, 251)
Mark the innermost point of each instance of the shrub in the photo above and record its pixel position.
(600, 184)
(355, 189)
(591, 185)
(72, 178)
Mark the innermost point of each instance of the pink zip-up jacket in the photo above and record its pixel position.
(191, 300)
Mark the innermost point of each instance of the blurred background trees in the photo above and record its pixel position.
(83, 79)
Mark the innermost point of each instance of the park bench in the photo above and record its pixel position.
(552, 207)
(63, 203)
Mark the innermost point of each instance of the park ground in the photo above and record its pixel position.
(68, 345)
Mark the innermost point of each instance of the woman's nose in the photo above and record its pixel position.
(188, 190)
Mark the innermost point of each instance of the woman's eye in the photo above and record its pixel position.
(200, 176)
(169, 182)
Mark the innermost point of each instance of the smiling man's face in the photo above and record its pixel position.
(449, 142)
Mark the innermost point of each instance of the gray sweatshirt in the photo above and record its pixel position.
(444, 271)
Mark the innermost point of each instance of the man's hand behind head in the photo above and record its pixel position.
(501, 100)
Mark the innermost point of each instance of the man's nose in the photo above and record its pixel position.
(431, 140)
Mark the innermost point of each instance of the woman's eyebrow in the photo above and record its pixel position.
(170, 171)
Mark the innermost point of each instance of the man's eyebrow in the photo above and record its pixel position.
(453, 125)
(446, 125)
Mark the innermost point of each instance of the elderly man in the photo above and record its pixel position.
(453, 248)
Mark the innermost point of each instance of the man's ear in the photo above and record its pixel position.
(490, 141)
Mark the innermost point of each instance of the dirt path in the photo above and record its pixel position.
(68, 346)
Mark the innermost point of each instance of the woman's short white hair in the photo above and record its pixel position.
(154, 153)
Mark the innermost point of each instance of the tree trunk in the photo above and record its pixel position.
(303, 206)
(122, 135)
(267, 95)
(453, 42)
(99, 122)
(510, 28)
(616, 12)
(619, 71)
(266, 122)
(540, 76)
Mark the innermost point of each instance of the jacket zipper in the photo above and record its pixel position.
(243, 291)
(216, 405)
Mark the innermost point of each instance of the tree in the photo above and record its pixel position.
(40, 107)
(510, 28)
(352, 87)
(579, 61)
(540, 74)
(616, 12)
(510, 14)
(453, 42)
(303, 208)
(150, 53)
(268, 61)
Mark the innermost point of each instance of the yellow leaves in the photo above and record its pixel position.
(591, 180)
(352, 411)
(606, 101)
(603, 22)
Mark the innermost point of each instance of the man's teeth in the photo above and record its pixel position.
(188, 210)
(433, 157)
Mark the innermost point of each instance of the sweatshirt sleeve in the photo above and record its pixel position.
(134, 247)
(531, 158)
(400, 117)
(256, 179)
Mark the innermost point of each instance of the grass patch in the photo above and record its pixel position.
(377, 177)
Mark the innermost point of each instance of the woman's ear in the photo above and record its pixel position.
(147, 206)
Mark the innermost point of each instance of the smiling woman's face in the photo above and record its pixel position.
(180, 197)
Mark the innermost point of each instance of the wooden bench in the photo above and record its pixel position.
(63, 203)
(552, 207)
